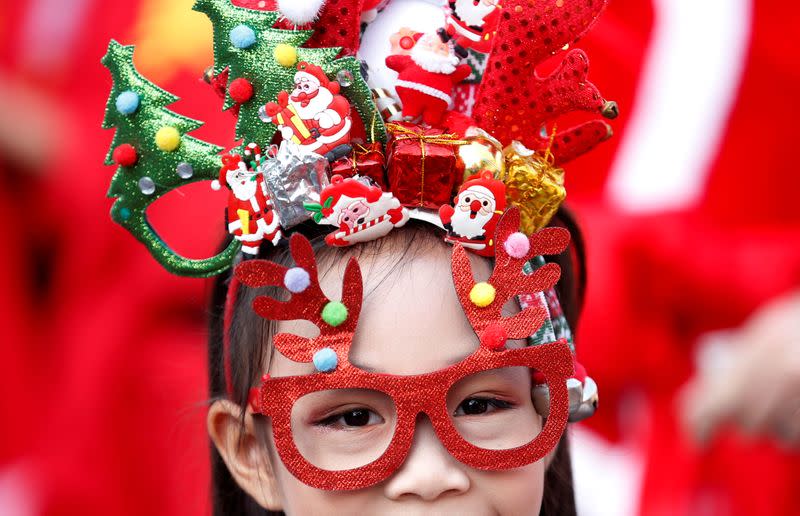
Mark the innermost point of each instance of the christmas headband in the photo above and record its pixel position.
(321, 144)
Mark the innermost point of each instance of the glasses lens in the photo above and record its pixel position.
(493, 409)
(343, 429)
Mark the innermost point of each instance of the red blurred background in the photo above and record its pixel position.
(689, 213)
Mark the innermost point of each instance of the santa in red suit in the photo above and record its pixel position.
(251, 219)
(480, 202)
(427, 77)
(473, 23)
(314, 116)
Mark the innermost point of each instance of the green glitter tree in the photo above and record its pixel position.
(136, 108)
(257, 64)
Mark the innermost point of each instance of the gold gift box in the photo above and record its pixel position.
(532, 182)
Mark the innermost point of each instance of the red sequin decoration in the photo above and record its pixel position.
(514, 102)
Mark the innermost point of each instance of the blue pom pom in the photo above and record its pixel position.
(325, 360)
(125, 213)
(296, 280)
(243, 36)
(128, 102)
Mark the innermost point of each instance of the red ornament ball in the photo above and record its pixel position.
(241, 90)
(125, 155)
(494, 337)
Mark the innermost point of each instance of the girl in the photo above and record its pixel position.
(411, 323)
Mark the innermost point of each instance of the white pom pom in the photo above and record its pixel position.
(300, 12)
(215, 185)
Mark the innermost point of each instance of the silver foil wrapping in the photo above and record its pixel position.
(293, 177)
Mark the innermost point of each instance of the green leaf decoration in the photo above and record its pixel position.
(156, 171)
(257, 64)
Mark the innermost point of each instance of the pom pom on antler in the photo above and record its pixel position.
(336, 320)
(508, 280)
(515, 102)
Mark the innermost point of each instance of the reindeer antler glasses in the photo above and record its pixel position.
(348, 428)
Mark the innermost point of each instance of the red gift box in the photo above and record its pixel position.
(423, 166)
(365, 160)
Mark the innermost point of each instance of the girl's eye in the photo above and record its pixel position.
(477, 406)
(352, 418)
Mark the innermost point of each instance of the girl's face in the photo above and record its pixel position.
(411, 323)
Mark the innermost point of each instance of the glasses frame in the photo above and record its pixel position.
(414, 395)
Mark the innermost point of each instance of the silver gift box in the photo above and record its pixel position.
(293, 177)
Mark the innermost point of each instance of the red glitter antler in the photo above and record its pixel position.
(336, 320)
(483, 302)
(515, 102)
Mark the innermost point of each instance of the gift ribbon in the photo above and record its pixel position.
(402, 133)
(358, 148)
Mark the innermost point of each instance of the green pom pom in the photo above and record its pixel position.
(334, 313)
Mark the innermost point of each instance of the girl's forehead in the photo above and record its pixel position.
(411, 321)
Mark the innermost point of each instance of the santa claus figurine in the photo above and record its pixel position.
(480, 202)
(314, 116)
(473, 23)
(426, 77)
(251, 219)
(362, 211)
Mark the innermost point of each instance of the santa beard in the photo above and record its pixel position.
(472, 14)
(466, 226)
(243, 192)
(315, 106)
(433, 61)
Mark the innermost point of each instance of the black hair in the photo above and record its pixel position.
(249, 332)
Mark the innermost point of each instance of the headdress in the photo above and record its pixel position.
(318, 147)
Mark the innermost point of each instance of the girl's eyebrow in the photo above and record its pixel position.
(448, 363)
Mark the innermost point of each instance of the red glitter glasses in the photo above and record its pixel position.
(348, 428)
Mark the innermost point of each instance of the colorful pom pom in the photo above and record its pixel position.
(285, 55)
(482, 294)
(494, 337)
(125, 155)
(241, 90)
(334, 313)
(517, 245)
(127, 102)
(297, 280)
(325, 360)
(243, 37)
(124, 213)
(168, 139)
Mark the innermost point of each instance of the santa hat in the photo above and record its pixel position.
(310, 72)
(485, 183)
(229, 162)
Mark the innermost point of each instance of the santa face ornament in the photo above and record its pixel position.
(477, 208)
(314, 115)
(361, 211)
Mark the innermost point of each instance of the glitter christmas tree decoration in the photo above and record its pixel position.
(160, 143)
(269, 65)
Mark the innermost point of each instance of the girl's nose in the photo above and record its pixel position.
(429, 471)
